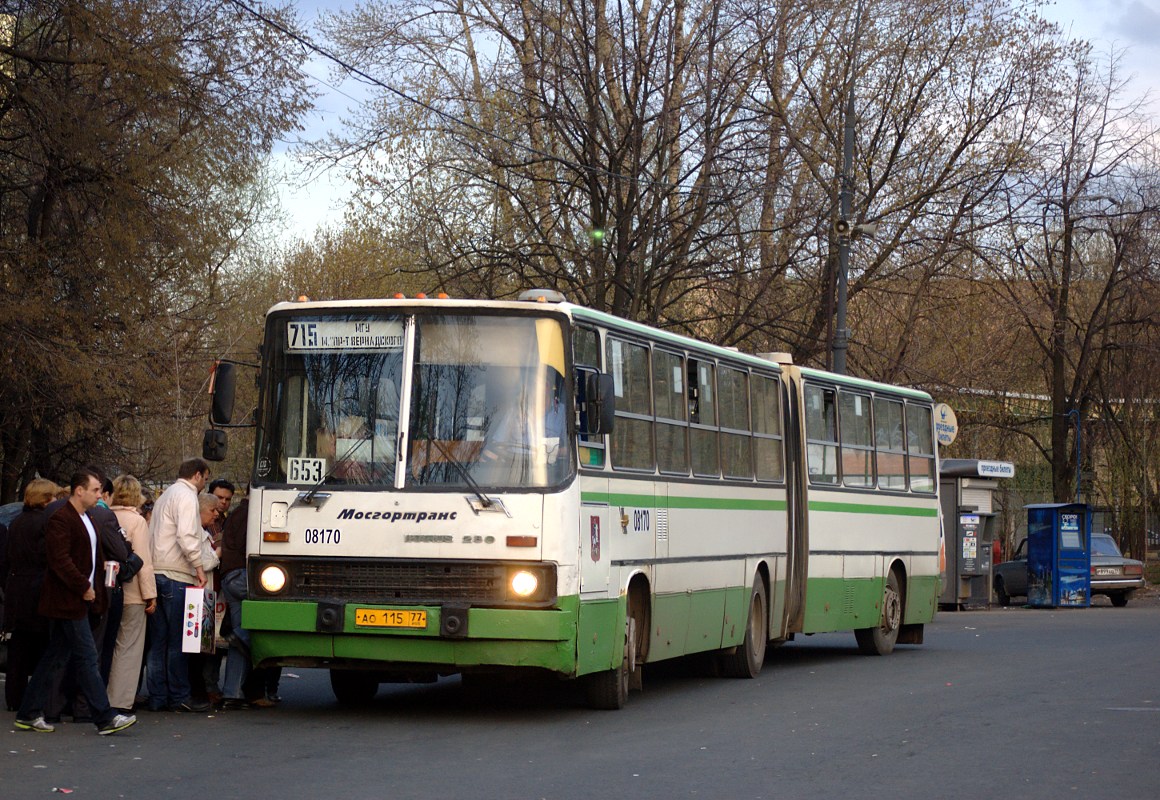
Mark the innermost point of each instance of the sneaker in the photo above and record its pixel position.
(191, 706)
(117, 723)
(38, 725)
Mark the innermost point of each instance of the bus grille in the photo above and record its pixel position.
(386, 582)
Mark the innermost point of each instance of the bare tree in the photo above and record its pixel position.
(1077, 251)
(131, 135)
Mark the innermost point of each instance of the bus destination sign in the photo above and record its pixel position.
(348, 336)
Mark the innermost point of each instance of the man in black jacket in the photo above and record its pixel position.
(72, 587)
(112, 540)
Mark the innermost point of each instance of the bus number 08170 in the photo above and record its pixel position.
(322, 535)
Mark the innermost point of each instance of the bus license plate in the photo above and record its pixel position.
(390, 618)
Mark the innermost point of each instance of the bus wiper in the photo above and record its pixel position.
(484, 500)
(308, 497)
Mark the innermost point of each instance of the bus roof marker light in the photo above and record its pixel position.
(441, 296)
(541, 296)
(400, 296)
(303, 298)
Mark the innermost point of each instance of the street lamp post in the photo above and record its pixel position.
(843, 226)
(845, 208)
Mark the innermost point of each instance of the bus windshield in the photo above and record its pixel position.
(488, 403)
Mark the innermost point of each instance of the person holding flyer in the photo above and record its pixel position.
(177, 537)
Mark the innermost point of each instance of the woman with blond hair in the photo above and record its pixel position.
(26, 565)
(140, 595)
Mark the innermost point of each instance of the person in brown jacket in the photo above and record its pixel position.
(73, 585)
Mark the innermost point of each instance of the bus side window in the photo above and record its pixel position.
(857, 441)
(766, 428)
(586, 347)
(890, 444)
(703, 433)
(821, 435)
(632, 436)
(733, 395)
(920, 448)
(669, 401)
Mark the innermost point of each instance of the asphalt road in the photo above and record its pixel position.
(1005, 703)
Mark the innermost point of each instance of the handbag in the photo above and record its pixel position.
(129, 568)
(198, 620)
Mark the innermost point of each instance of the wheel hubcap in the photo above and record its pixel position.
(891, 611)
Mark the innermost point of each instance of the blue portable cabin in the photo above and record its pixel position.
(1059, 557)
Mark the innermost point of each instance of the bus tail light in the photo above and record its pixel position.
(276, 536)
(522, 541)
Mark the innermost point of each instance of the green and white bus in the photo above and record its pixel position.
(448, 486)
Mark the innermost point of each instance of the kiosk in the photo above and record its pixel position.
(1059, 558)
(967, 488)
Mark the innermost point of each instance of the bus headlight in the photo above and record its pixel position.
(524, 584)
(272, 579)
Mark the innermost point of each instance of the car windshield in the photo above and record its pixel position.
(1104, 545)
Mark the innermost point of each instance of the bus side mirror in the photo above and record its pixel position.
(601, 394)
(213, 445)
(222, 392)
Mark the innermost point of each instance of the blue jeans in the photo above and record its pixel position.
(168, 667)
(68, 640)
(238, 659)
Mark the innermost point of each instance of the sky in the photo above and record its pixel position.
(312, 201)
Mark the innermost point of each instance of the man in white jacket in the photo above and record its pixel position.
(177, 533)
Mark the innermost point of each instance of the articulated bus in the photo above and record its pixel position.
(447, 486)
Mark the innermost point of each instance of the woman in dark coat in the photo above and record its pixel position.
(26, 565)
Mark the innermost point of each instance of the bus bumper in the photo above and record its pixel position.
(302, 634)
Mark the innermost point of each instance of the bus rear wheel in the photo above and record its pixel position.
(353, 687)
(880, 640)
(746, 660)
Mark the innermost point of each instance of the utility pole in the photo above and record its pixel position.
(843, 226)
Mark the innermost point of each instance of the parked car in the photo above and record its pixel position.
(1010, 577)
(1111, 575)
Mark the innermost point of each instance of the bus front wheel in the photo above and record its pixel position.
(608, 690)
(746, 661)
(353, 687)
(879, 640)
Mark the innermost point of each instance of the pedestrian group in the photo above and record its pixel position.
(95, 578)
